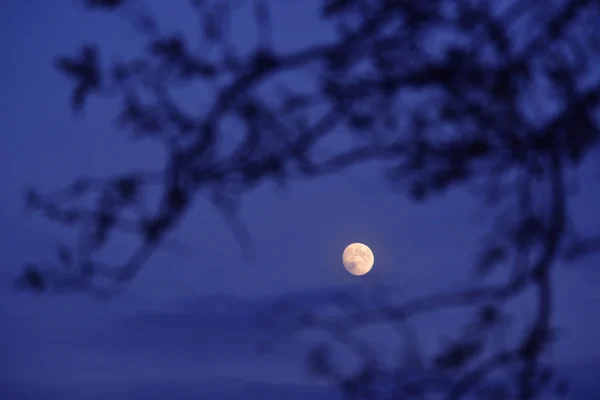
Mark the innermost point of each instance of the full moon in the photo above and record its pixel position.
(358, 259)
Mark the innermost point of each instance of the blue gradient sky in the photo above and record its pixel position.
(171, 327)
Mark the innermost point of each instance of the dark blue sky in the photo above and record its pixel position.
(171, 327)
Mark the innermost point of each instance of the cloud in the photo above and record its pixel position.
(582, 379)
(224, 389)
(221, 331)
(235, 389)
(207, 337)
(205, 323)
(199, 348)
(210, 336)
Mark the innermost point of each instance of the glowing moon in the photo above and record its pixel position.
(358, 259)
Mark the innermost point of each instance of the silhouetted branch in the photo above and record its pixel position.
(501, 97)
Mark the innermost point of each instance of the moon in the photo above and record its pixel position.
(358, 259)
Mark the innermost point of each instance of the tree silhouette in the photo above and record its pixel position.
(498, 97)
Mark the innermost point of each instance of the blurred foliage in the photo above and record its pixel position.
(498, 97)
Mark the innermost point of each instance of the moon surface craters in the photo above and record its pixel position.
(358, 259)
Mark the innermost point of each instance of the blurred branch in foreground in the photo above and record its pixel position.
(497, 97)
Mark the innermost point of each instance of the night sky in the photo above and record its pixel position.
(185, 324)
